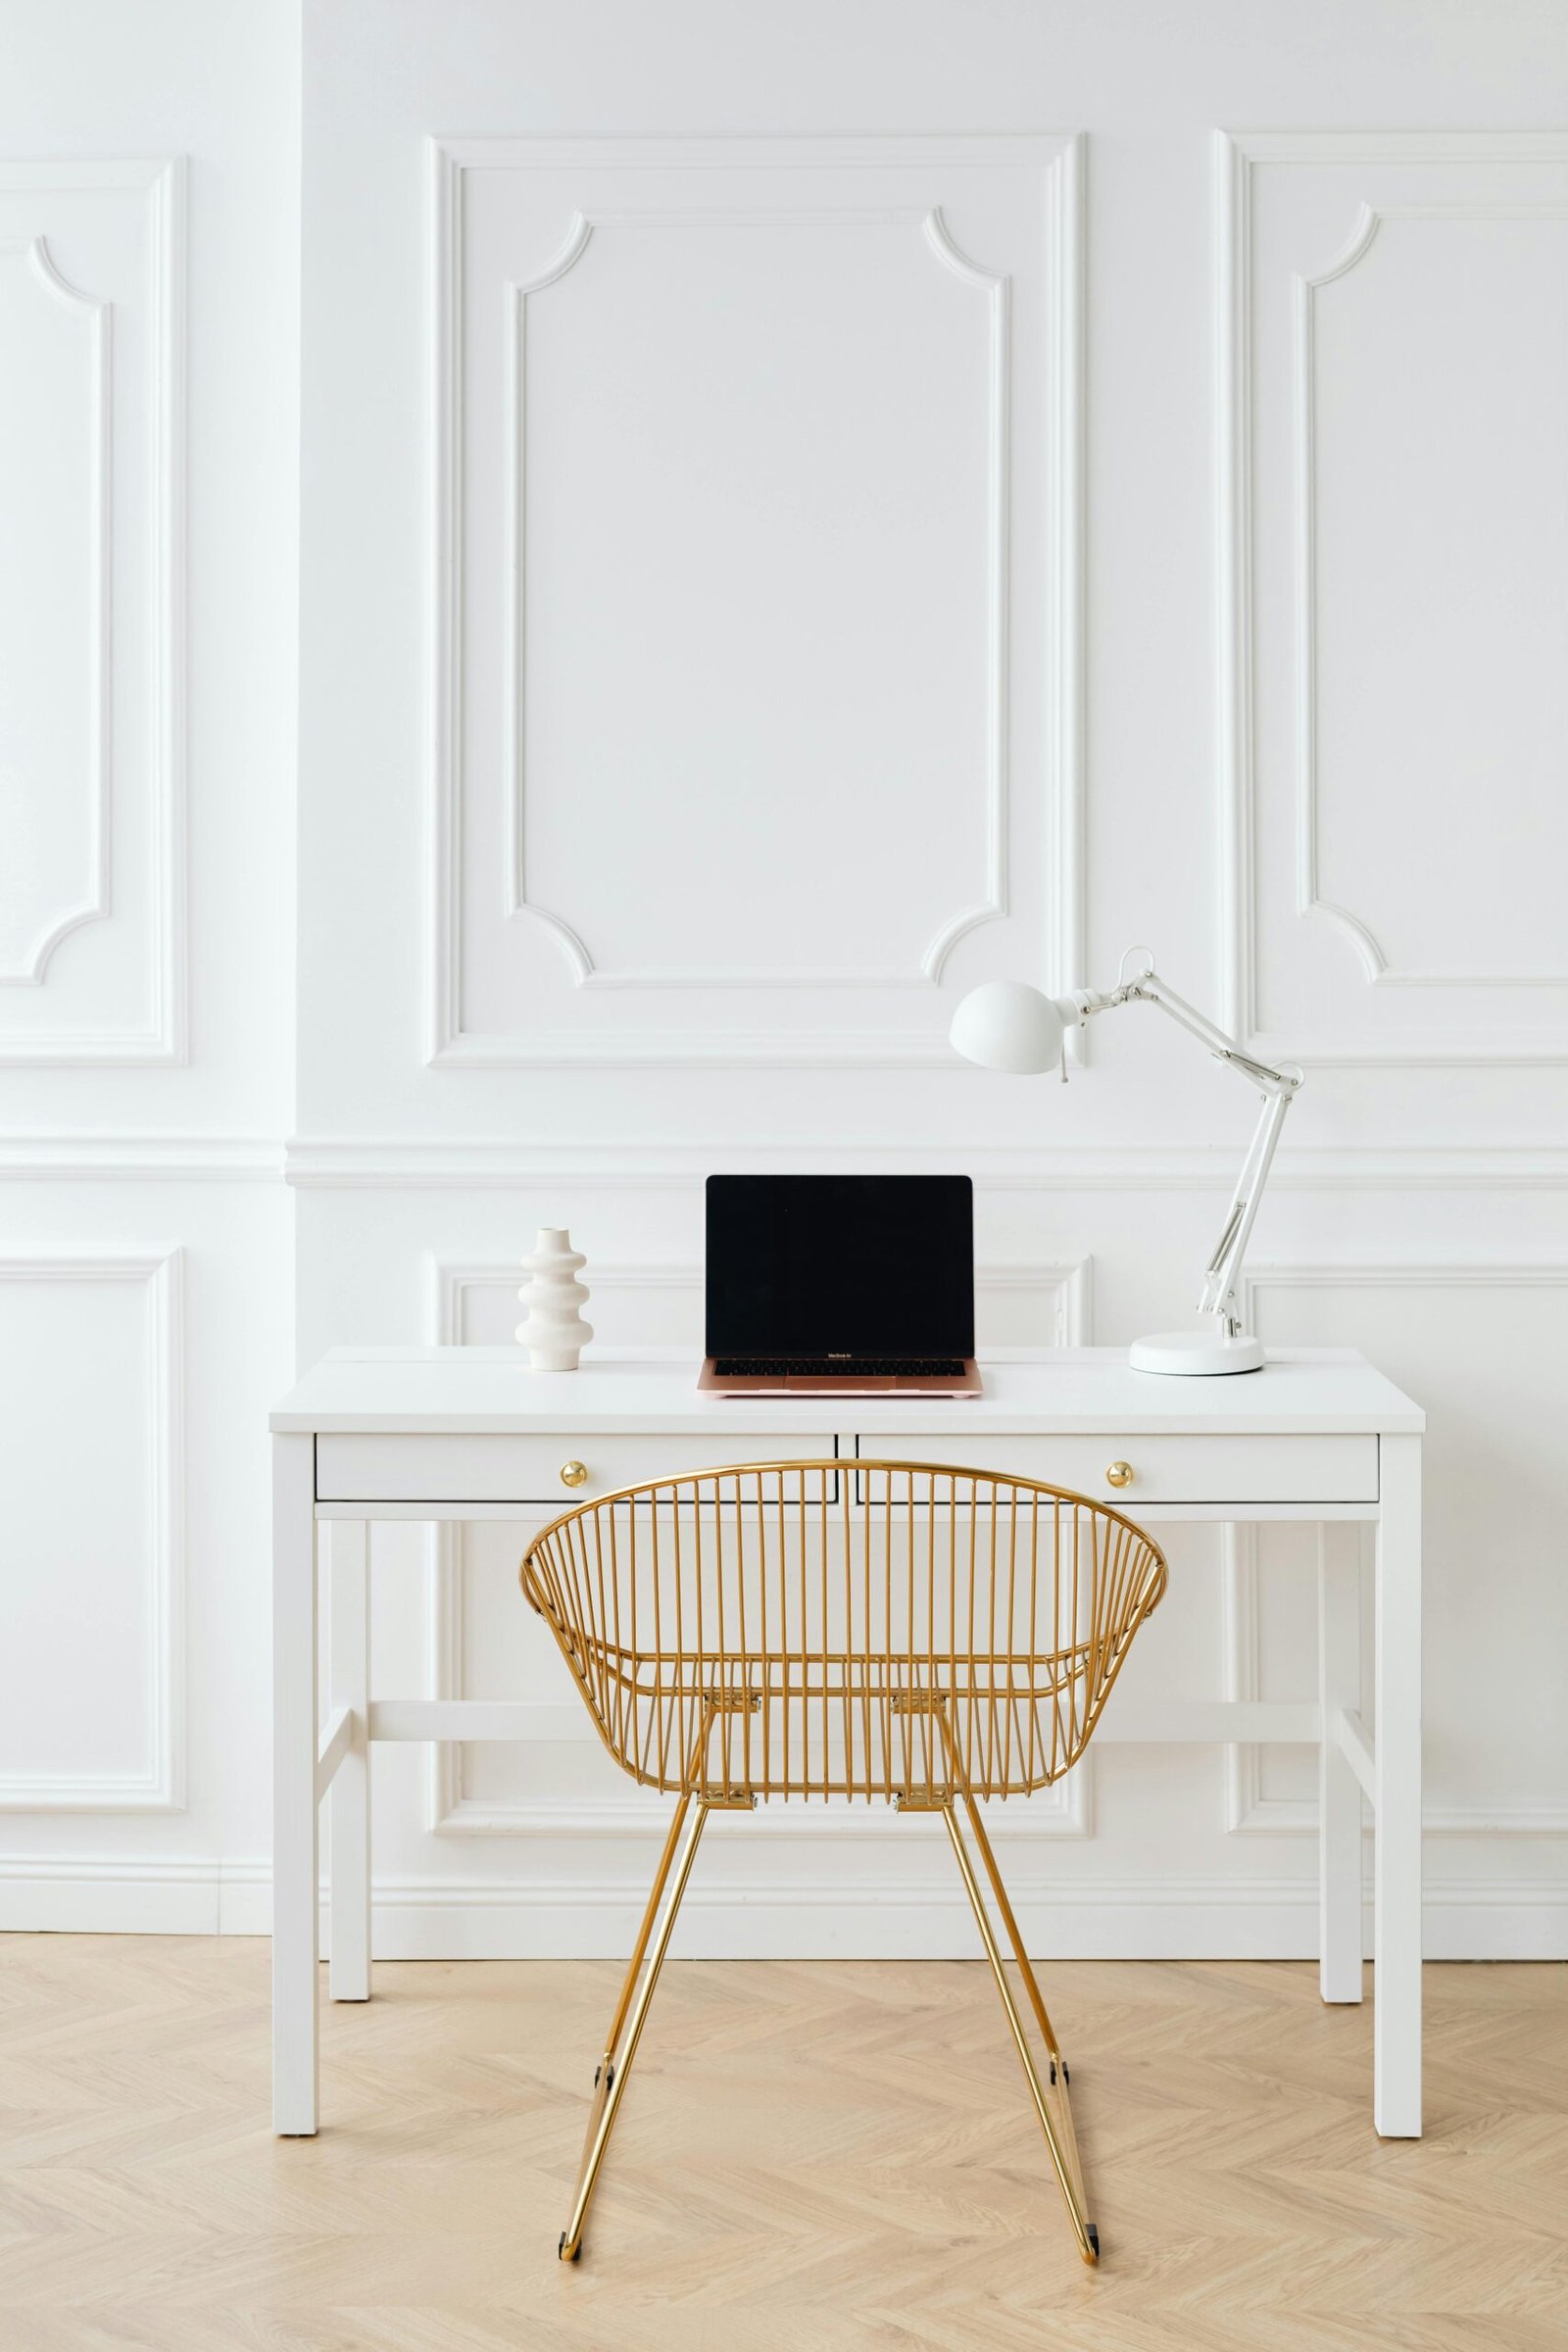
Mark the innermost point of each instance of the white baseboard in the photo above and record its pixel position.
(1124, 1919)
(1135, 1919)
(75, 1895)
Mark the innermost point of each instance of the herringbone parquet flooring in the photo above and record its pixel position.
(830, 2157)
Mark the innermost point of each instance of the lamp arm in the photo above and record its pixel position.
(1278, 1087)
(1148, 988)
(1223, 1271)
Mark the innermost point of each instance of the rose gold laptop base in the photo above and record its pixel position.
(839, 1384)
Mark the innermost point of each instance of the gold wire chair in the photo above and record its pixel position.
(924, 1635)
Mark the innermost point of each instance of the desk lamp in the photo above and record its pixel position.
(1007, 1025)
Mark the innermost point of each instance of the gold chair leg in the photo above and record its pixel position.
(1058, 2074)
(620, 2049)
(640, 1947)
(1061, 2138)
(1009, 1922)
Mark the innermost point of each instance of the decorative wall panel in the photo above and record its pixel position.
(755, 463)
(91, 561)
(92, 1665)
(1391, 375)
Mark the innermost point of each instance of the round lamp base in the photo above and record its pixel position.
(1197, 1354)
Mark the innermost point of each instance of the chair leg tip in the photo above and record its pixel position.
(1093, 2236)
(561, 2254)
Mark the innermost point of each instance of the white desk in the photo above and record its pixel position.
(469, 1433)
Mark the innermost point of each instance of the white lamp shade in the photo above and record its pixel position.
(1007, 1025)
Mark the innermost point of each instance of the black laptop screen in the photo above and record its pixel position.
(839, 1265)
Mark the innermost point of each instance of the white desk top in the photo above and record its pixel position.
(490, 1391)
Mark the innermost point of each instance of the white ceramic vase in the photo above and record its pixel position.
(553, 1329)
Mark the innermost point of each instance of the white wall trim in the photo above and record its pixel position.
(1059, 158)
(134, 1894)
(768, 153)
(1235, 157)
(1392, 1273)
(835, 1915)
(1369, 955)
(841, 1916)
(1400, 146)
(514, 897)
(133, 1159)
(1064, 1811)
(480, 1163)
(161, 1787)
(94, 901)
(166, 1039)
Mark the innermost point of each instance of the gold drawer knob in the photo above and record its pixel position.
(1120, 1474)
(575, 1474)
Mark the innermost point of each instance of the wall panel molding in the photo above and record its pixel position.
(135, 1158)
(161, 1787)
(99, 1037)
(36, 266)
(480, 1163)
(807, 1039)
(1493, 1038)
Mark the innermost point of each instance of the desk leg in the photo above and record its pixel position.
(348, 1552)
(1339, 1673)
(295, 1734)
(1396, 1941)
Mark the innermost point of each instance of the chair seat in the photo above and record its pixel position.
(835, 1614)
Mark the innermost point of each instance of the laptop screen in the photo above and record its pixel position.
(839, 1265)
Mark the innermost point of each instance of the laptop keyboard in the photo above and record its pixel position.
(837, 1367)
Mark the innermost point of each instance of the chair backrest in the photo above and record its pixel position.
(844, 1627)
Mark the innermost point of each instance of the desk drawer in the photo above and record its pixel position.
(508, 1469)
(1165, 1469)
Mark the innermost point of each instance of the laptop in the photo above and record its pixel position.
(847, 1286)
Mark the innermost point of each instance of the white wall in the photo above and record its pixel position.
(704, 680)
(149, 456)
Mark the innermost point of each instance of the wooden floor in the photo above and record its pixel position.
(811, 2158)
